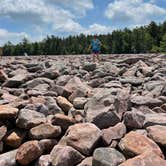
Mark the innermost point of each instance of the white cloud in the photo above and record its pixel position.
(98, 29)
(134, 12)
(80, 6)
(40, 12)
(6, 36)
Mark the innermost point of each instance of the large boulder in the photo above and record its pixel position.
(83, 137)
(155, 119)
(8, 158)
(134, 119)
(7, 112)
(28, 119)
(28, 152)
(134, 144)
(107, 157)
(45, 131)
(100, 110)
(113, 133)
(147, 101)
(147, 159)
(16, 81)
(65, 156)
(158, 134)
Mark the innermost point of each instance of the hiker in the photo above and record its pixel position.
(95, 46)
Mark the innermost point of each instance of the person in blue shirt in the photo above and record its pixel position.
(96, 47)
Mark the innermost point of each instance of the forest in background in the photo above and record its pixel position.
(150, 38)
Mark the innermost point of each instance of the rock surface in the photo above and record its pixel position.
(67, 110)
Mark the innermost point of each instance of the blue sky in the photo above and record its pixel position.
(35, 19)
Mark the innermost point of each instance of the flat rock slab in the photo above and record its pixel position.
(148, 101)
(65, 156)
(107, 157)
(134, 144)
(45, 131)
(83, 137)
(155, 119)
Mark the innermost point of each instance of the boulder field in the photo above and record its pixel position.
(70, 111)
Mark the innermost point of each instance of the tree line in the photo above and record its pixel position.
(144, 39)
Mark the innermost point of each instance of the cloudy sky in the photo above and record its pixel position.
(35, 19)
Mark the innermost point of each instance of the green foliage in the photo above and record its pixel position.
(163, 44)
(150, 38)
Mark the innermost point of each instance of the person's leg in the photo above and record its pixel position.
(98, 56)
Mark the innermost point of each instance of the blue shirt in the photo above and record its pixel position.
(95, 45)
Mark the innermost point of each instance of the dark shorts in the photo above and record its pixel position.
(95, 51)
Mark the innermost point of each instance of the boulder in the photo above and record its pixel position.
(147, 159)
(8, 158)
(28, 119)
(43, 160)
(7, 112)
(134, 120)
(107, 157)
(3, 76)
(3, 131)
(64, 104)
(16, 81)
(113, 133)
(63, 121)
(14, 138)
(86, 162)
(28, 152)
(100, 110)
(155, 119)
(65, 155)
(79, 102)
(44, 131)
(83, 137)
(148, 101)
(89, 66)
(134, 144)
(158, 134)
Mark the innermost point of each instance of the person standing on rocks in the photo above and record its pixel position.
(96, 47)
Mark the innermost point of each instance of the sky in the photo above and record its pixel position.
(35, 19)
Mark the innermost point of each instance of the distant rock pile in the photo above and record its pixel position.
(69, 111)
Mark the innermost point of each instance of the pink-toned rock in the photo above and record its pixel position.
(14, 138)
(65, 156)
(45, 131)
(83, 137)
(3, 76)
(86, 162)
(146, 159)
(64, 104)
(134, 144)
(158, 134)
(113, 133)
(63, 121)
(8, 97)
(28, 152)
(47, 144)
(44, 160)
(7, 112)
(28, 119)
(3, 131)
